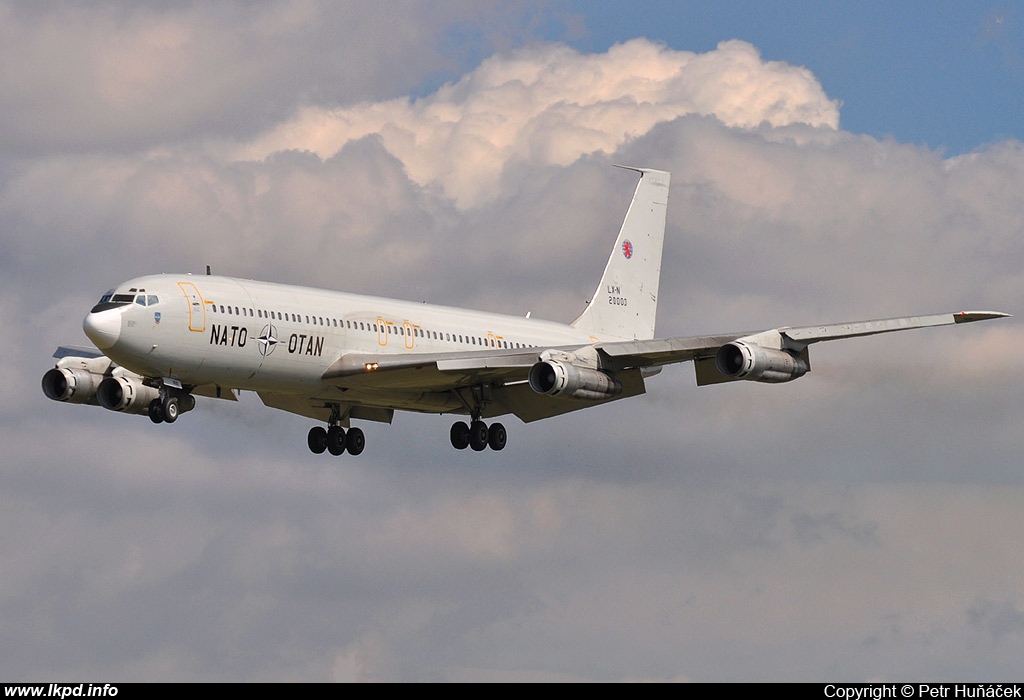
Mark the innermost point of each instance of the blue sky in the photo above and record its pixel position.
(947, 74)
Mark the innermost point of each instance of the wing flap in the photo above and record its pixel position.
(666, 351)
(321, 410)
(429, 371)
(215, 391)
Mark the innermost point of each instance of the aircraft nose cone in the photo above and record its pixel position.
(103, 327)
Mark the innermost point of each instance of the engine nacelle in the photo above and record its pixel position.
(742, 360)
(553, 378)
(71, 384)
(126, 394)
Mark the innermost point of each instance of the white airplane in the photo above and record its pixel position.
(337, 357)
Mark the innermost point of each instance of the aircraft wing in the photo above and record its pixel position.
(665, 351)
(702, 349)
(837, 331)
(506, 371)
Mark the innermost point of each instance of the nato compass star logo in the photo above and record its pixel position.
(267, 340)
(627, 249)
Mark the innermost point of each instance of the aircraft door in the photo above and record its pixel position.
(196, 307)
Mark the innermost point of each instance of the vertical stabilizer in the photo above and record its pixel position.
(626, 301)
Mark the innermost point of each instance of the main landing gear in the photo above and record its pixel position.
(168, 407)
(478, 436)
(335, 440)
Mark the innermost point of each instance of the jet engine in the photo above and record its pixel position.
(553, 378)
(126, 394)
(71, 384)
(743, 360)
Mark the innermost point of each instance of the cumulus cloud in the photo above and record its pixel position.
(548, 105)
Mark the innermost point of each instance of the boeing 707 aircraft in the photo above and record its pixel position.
(337, 358)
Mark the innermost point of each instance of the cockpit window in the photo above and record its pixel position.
(113, 301)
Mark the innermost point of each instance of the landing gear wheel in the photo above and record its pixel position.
(335, 440)
(317, 440)
(355, 442)
(170, 409)
(497, 437)
(460, 435)
(156, 411)
(478, 435)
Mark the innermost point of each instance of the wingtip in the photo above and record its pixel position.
(970, 316)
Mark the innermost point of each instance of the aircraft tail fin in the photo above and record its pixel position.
(626, 301)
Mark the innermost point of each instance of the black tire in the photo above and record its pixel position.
(170, 409)
(156, 411)
(478, 435)
(460, 435)
(317, 440)
(355, 441)
(336, 440)
(497, 438)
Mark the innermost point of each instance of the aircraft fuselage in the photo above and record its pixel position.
(280, 338)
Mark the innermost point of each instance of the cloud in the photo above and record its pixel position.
(123, 75)
(549, 104)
